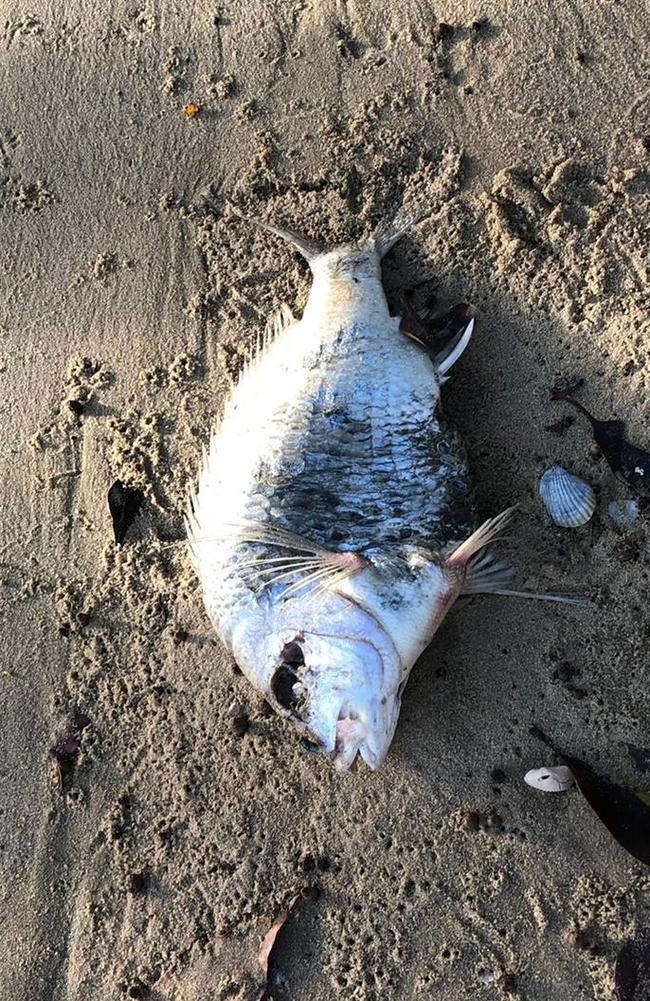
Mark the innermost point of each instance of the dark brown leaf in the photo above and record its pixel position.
(640, 756)
(629, 462)
(124, 504)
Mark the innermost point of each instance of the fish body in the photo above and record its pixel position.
(332, 527)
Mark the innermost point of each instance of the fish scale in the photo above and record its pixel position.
(332, 527)
(367, 443)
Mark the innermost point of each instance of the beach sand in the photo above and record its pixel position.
(129, 286)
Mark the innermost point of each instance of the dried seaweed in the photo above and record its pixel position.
(627, 461)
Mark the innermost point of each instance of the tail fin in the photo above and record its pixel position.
(386, 235)
(383, 238)
(310, 249)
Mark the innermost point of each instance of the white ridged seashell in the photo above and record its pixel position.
(623, 512)
(568, 499)
(557, 779)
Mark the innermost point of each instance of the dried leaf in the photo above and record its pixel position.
(624, 813)
(632, 971)
(124, 504)
(267, 946)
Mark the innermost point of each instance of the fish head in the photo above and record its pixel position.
(334, 673)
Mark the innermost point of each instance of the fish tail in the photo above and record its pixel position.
(305, 245)
(382, 239)
(386, 235)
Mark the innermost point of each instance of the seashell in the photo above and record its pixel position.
(623, 512)
(557, 779)
(568, 499)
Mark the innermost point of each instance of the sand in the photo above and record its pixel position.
(129, 286)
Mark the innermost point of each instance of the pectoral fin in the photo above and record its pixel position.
(301, 564)
(489, 532)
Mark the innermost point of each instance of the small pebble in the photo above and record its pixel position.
(506, 982)
(240, 725)
(566, 671)
(470, 820)
(443, 30)
(494, 821)
(623, 513)
(139, 990)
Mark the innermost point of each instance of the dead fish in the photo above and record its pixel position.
(332, 528)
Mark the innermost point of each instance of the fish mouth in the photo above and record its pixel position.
(352, 739)
(337, 691)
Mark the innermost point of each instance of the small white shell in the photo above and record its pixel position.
(568, 499)
(623, 512)
(557, 779)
